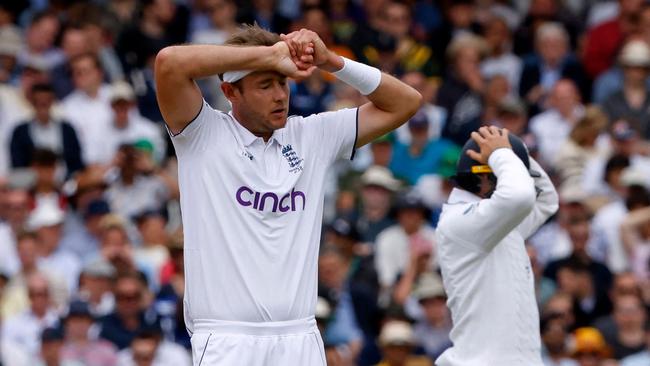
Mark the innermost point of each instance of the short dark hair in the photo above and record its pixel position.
(93, 57)
(42, 88)
(44, 157)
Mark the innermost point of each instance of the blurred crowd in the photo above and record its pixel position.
(91, 250)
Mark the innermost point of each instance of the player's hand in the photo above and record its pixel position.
(488, 139)
(307, 43)
(284, 64)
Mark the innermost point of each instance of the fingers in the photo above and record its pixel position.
(478, 137)
(474, 155)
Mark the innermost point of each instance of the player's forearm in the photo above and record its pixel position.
(398, 99)
(198, 61)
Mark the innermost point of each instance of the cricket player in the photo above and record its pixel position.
(251, 183)
(502, 197)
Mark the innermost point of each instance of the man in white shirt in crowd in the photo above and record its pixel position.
(252, 187)
(87, 108)
(486, 271)
(25, 328)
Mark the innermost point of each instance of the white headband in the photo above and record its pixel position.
(234, 76)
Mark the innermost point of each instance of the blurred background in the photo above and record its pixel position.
(91, 262)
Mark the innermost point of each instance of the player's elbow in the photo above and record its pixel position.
(523, 197)
(166, 60)
(413, 102)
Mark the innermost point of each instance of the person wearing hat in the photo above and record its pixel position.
(78, 345)
(84, 240)
(589, 347)
(128, 126)
(422, 156)
(411, 236)
(432, 328)
(95, 285)
(377, 189)
(50, 351)
(397, 343)
(45, 131)
(631, 102)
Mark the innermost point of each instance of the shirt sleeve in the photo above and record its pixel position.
(332, 135)
(199, 133)
(487, 222)
(546, 203)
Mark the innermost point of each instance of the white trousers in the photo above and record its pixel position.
(230, 343)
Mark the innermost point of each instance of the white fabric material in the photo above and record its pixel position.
(91, 118)
(167, 354)
(607, 222)
(9, 262)
(551, 131)
(362, 77)
(234, 76)
(25, 329)
(486, 272)
(227, 343)
(252, 213)
(393, 252)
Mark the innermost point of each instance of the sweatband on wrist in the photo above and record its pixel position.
(234, 76)
(362, 77)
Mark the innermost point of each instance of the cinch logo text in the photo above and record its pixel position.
(270, 201)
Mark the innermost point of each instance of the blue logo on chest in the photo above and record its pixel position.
(295, 162)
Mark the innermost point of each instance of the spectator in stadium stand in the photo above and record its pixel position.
(544, 287)
(128, 126)
(45, 131)
(552, 127)
(95, 285)
(560, 304)
(116, 248)
(412, 55)
(17, 206)
(139, 184)
(551, 62)
(311, 95)
(40, 36)
(47, 221)
(149, 348)
(635, 234)
(265, 14)
(74, 42)
(50, 350)
(15, 296)
(627, 335)
(512, 115)
(161, 23)
(497, 87)
(131, 314)
(9, 264)
(589, 347)
(554, 341)
(540, 12)
(79, 345)
(377, 188)
(45, 187)
(423, 156)
(221, 16)
(396, 244)
(398, 343)
(435, 115)
(500, 59)
(433, 321)
(461, 92)
(631, 102)
(640, 358)
(24, 328)
(87, 108)
(84, 241)
(459, 19)
(604, 40)
(15, 106)
(11, 43)
(152, 251)
(342, 331)
(573, 154)
(611, 81)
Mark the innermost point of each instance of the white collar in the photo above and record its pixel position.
(462, 196)
(247, 137)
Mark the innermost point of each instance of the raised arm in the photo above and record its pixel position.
(180, 99)
(391, 102)
(546, 203)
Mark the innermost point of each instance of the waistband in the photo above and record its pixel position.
(296, 326)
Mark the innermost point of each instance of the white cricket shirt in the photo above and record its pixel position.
(486, 272)
(252, 213)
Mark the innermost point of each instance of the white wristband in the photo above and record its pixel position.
(362, 77)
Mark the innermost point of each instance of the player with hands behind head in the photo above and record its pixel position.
(502, 196)
(251, 183)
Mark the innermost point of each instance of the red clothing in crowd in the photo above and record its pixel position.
(602, 45)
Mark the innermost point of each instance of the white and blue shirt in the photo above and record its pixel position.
(252, 213)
